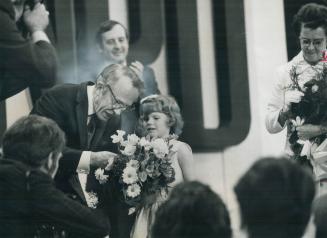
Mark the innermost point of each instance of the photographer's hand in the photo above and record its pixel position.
(36, 19)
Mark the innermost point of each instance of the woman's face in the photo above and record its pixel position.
(313, 43)
(157, 125)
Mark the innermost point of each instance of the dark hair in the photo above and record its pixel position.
(107, 26)
(312, 16)
(192, 210)
(31, 139)
(275, 198)
(320, 216)
(165, 104)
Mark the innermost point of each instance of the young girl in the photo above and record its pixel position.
(160, 117)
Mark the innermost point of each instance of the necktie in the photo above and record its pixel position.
(91, 127)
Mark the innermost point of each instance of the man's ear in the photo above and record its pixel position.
(99, 48)
(49, 163)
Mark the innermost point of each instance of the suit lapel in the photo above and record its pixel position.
(81, 114)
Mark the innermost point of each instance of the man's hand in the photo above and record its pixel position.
(138, 68)
(307, 131)
(36, 19)
(102, 159)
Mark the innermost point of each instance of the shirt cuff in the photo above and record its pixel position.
(84, 163)
(39, 36)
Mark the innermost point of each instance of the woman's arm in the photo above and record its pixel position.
(186, 161)
(307, 131)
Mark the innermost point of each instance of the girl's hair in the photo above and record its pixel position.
(165, 104)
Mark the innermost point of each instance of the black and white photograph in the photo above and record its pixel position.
(163, 118)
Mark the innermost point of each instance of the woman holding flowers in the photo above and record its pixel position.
(297, 83)
(160, 118)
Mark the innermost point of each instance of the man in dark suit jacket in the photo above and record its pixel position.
(30, 204)
(24, 63)
(75, 108)
(112, 40)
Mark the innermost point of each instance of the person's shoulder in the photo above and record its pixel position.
(65, 90)
(181, 147)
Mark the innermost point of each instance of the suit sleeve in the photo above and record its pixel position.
(51, 105)
(150, 82)
(66, 213)
(276, 102)
(23, 63)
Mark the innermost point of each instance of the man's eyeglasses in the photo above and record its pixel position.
(118, 104)
(307, 42)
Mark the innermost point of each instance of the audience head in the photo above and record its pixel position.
(320, 216)
(117, 88)
(112, 40)
(160, 116)
(35, 141)
(310, 24)
(192, 210)
(275, 198)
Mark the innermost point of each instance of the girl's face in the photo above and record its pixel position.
(157, 125)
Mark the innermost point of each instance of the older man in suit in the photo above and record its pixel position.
(30, 204)
(23, 62)
(88, 115)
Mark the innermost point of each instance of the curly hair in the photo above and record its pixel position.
(275, 197)
(312, 16)
(192, 210)
(165, 104)
(31, 139)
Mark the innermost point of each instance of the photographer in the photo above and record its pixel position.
(25, 62)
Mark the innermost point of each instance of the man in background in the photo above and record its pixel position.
(25, 62)
(112, 40)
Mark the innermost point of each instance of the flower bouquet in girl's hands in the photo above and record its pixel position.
(312, 109)
(142, 168)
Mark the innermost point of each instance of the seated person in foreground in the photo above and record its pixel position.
(29, 200)
(275, 198)
(320, 216)
(192, 210)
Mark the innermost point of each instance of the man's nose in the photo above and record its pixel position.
(311, 46)
(117, 44)
(149, 121)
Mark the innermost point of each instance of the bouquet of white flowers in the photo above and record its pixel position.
(142, 168)
(312, 109)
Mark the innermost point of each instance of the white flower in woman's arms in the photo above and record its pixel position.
(130, 175)
(298, 121)
(133, 190)
(315, 88)
(133, 139)
(100, 176)
(133, 163)
(129, 150)
(119, 137)
(145, 143)
(160, 148)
